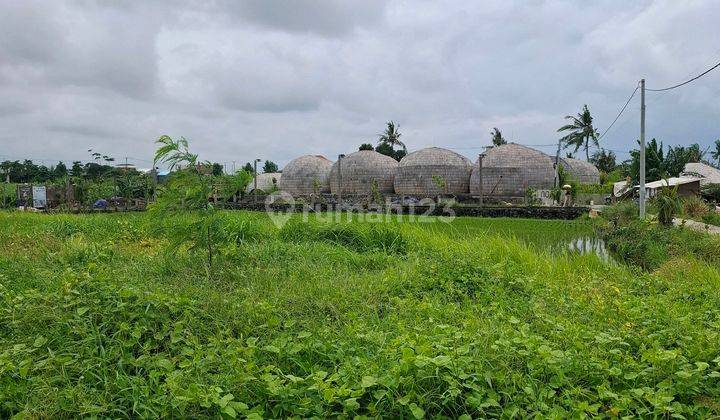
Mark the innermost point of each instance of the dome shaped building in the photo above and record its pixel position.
(358, 172)
(306, 175)
(581, 171)
(510, 169)
(266, 182)
(433, 171)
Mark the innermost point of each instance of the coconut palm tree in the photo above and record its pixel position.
(581, 132)
(391, 136)
(716, 153)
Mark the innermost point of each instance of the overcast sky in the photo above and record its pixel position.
(279, 79)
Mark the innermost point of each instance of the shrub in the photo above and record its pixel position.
(694, 207)
(712, 218)
(621, 213)
(668, 204)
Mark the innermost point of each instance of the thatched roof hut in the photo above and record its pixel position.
(361, 170)
(433, 171)
(581, 171)
(510, 169)
(266, 182)
(306, 175)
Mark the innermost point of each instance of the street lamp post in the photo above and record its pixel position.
(480, 176)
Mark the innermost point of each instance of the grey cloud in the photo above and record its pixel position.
(247, 79)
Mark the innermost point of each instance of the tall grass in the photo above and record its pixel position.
(326, 320)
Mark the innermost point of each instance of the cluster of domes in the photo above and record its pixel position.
(507, 171)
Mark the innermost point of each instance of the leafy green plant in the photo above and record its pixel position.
(667, 203)
(694, 207)
(186, 198)
(440, 182)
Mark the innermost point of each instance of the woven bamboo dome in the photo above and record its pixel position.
(265, 182)
(421, 172)
(581, 171)
(306, 175)
(509, 170)
(361, 170)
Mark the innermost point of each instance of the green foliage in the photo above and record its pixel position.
(648, 246)
(357, 237)
(595, 188)
(694, 207)
(711, 192)
(621, 213)
(497, 137)
(611, 177)
(8, 195)
(711, 218)
(235, 185)
(439, 182)
(96, 321)
(716, 152)
(531, 198)
(659, 164)
(604, 160)
(270, 167)
(186, 197)
(667, 203)
(366, 146)
(582, 132)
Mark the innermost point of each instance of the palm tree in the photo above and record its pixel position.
(716, 153)
(391, 136)
(581, 132)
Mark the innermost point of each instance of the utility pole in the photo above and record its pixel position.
(557, 163)
(642, 148)
(233, 166)
(480, 176)
(255, 162)
(340, 182)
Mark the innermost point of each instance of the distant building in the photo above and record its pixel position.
(687, 186)
(707, 174)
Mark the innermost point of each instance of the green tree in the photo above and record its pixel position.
(391, 136)
(77, 169)
(497, 137)
(366, 146)
(5, 167)
(217, 169)
(270, 167)
(582, 132)
(60, 170)
(716, 153)
(604, 160)
(248, 167)
(186, 197)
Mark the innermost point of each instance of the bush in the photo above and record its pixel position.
(668, 204)
(621, 213)
(712, 218)
(694, 207)
(647, 246)
(7, 196)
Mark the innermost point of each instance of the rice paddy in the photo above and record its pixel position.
(473, 318)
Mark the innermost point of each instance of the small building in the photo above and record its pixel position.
(267, 182)
(363, 172)
(707, 174)
(306, 175)
(686, 186)
(432, 171)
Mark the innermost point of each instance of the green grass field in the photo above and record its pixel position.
(478, 318)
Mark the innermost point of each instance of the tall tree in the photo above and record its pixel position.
(366, 146)
(716, 153)
(76, 170)
(604, 160)
(248, 168)
(497, 137)
(582, 132)
(60, 170)
(270, 167)
(391, 136)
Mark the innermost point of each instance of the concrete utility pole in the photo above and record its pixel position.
(340, 158)
(642, 148)
(556, 183)
(480, 176)
(255, 162)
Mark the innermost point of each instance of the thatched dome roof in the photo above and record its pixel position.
(360, 170)
(421, 172)
(581, 171)
(510, 169)
(306, 175)
(265, 182)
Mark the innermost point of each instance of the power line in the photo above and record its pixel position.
(620, 113)
(687, 81)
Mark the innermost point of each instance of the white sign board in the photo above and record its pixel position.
(39, 194)
(545, 196)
